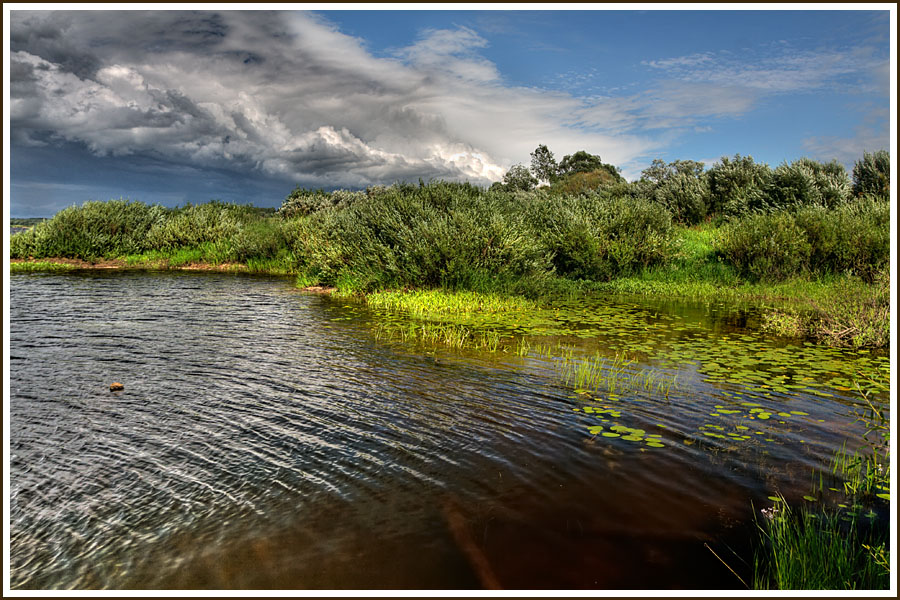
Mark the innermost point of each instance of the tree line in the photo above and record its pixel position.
(732, 187)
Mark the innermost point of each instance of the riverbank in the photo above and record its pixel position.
(20, 265)
(839, 311)
(818, 271)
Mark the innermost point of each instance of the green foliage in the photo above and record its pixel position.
(854, 238)
(580, 162)
(598, 237)
(302, 202)
(738, 186)
(543, 164)
(28, 222)
(769, 247)
(679, 186)
(443, 234)
(89, 231)
(41, 266)
(850, 313)
(872, 174)
(806, 182)
(833, 549)
(195, 224)
(819, 551)
(583, 182)
(519, 178)
(854, 315)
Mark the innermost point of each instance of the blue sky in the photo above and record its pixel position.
(242, 106)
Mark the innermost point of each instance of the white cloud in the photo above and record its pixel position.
(288, 94)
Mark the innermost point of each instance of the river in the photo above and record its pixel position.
(266, 439)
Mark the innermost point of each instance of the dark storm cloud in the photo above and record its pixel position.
(281, 93)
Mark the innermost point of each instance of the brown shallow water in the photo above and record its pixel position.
(267, 439)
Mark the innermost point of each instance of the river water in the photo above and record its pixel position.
(266, 439)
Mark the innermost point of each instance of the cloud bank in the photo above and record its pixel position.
(286, 95)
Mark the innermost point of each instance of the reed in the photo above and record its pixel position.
(825, 550)
(616, 374)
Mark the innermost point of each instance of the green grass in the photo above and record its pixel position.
(597, 373)
(447, 335)
(841, 547)
(440, 302)
(42, 266)
(823, 550)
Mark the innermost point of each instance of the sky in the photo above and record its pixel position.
(177, 106)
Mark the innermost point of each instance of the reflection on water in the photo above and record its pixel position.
(266, 439)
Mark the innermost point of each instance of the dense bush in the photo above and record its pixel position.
(862, 239)
(738, 186)
(453, 235)
(807, 182)
(90, 231)
(196, 224)
(588, 225)
(600, 236)
(302, 202)
(769, 247)
(872, 174)
(854, 239)
(582, 182)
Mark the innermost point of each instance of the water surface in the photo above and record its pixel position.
(267, 439)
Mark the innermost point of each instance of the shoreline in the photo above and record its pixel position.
(797, 309)
(121, 264)
(56, 265)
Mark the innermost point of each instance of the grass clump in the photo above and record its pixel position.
(91, 231)
(439, 303)
(40, 266)
(846, 547)
(847, 312)
(823, 550)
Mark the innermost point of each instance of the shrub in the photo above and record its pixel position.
(196, 224)
(806, 182)
(599, 236)
(259, 240)
(92, 230)
(769, 247)
(302, 202)
(738, 186)
(872, 174)
(582, 182)
(454, 235)
(854, 238)
(685, 196)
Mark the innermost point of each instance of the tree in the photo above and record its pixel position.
(543, 165)
(659, 171)
(580, 162)
(519, 178)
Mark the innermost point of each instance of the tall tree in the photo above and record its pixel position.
(543, 165)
